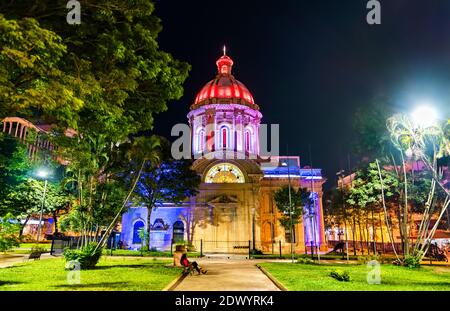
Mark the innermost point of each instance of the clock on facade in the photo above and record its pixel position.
(224, 173)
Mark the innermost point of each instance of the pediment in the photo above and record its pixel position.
(224, 199)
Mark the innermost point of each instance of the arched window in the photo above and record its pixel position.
(201, 140)
(137, 228)
(224, 137)
(247, 141)
(178, 231)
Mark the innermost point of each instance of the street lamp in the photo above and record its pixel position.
(424, 116)
(312, 217)
(42, 173)
(340, 175)
(290, 211)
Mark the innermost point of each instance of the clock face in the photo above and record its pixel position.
(224, 173)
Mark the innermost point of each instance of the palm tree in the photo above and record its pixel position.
(141, 151)
(426, 144)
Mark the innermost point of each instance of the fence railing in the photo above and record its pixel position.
(362, 247)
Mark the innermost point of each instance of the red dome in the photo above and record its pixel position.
(224, 89)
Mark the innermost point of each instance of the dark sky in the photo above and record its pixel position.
(311, 64)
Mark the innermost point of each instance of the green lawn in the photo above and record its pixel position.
(305, 277)
(110, 274)
(30, 245)
(25, 248)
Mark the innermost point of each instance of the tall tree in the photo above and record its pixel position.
(425, 144)
(8, 233)
(373, 139)
(300, 200)
(26, 199)
(118, 77)
(172, 181)
(15, 164)
(365, 195)
(30, 75)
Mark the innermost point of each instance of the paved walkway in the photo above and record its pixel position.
(227, 275)
(9, 260)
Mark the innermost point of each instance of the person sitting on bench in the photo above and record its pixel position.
(186, 263)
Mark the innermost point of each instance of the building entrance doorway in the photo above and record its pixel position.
(178, 231)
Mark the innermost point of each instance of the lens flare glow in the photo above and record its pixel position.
(42, 173)
(424, 116)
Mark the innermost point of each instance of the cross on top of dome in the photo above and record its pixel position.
(224, 88)
(224, 63)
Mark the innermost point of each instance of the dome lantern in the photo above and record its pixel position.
(224, 63)
(225, 88)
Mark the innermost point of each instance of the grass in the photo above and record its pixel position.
(30, 245)
(307, 277)
(25, 248)
(125, 274)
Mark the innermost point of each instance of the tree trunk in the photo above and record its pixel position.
(448, 220)
(381, 231)
(149, 215)
(56, 222)
(102, 241)
(405, 212)
(401, 228)
(374, 233)
(366, 233)
(361, 242)
(354, 234)
(191, 235)
(22, 226)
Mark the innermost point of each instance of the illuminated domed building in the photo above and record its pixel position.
(234, 209)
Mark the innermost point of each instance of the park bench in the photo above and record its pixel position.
(338, 249)
(188, 270)
(34, 256)
(240, 247)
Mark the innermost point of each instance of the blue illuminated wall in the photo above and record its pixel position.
(312, 222)
(161, 237)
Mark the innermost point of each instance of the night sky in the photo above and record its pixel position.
(311, 64)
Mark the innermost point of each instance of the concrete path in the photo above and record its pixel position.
(8, 260)
(227, 275)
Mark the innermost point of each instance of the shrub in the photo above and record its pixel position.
(305, 261)
(256, 252)
(190, 247)
(8, 234)
(340, 275)
(86, 256)
(38, 249)
(363, 259)
(411, 261)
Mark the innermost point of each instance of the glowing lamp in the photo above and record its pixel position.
(42, 173)
(424, 116)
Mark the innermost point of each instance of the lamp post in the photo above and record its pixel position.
(290, 212)
(312, 216)
(43, 174)
(253, 229)
(340, 174)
